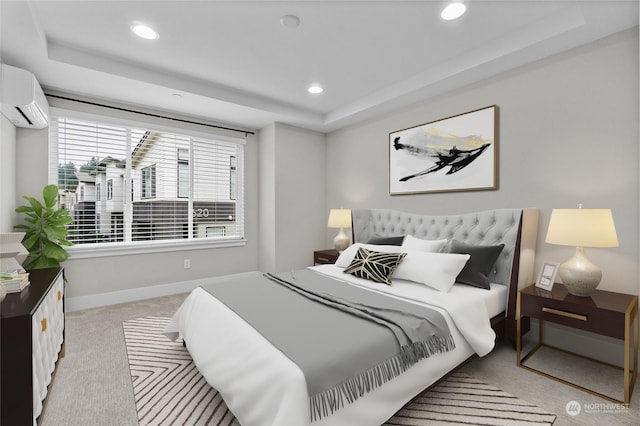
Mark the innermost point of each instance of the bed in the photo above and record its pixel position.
(263, 386)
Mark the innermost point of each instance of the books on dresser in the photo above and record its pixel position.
(17, 283)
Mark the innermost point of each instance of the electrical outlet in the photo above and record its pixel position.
(187, 263)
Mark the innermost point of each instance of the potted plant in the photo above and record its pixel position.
(45, 230)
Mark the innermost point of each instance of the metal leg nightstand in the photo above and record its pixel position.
(607, 313)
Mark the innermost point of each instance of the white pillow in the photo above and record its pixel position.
(436, 270)
(412, 243)
(349, 253)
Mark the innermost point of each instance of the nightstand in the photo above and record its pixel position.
(604, 312)
(323, 257)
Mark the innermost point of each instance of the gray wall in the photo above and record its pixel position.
(7, 175)
(292, 187)
(285, 217)
(94, 276)
(568, 134)
(267, 197)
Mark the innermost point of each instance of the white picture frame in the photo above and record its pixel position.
(547, 275)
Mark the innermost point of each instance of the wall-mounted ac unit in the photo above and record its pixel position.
(23, 101)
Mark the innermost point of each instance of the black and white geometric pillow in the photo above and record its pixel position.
(374, 266)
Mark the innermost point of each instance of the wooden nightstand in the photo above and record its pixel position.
(323, 257)
(604, 312)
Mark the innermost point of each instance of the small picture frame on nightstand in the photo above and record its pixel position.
(547, 275)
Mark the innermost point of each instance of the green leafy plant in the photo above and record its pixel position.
(45, 230)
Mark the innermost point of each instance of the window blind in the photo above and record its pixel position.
(127, 182)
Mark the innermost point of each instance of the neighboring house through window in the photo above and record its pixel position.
(216, 231)
(148, 182)
(160, 185)
(183, 172)
(233, 170)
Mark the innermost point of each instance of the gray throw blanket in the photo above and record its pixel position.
(345, 339)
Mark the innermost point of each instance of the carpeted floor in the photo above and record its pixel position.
(168, 389)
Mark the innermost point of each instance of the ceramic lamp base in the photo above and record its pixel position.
(579, 275)
(341, 241)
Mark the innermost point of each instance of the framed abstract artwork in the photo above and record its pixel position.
(457, 153)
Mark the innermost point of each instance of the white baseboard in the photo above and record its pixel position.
(79, 303)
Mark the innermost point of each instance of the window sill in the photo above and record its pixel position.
(86, 251)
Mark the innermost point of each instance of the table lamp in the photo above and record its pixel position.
(340, 218)
(581, 228)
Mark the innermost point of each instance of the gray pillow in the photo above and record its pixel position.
(386, 241)
(479, 265)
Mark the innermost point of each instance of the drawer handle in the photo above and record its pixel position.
(565, 314)
(59, 295)
(323, 259)
(44, 324)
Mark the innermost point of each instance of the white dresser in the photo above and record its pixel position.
(32, 335)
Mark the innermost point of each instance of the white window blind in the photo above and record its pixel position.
(158, 184)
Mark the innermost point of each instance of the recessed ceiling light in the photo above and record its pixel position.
(453, 10)
(144, 31)
(290, 21)
(315, 89)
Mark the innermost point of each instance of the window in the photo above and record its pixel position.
(161, 184)
(216, 231)
(148, 182)
(183, 172)
(232, 177)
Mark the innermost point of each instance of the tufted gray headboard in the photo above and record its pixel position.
(517, 229)
(479, 228)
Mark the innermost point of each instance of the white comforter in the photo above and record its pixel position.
(262, 386)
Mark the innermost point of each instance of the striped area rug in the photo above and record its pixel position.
(169, 390)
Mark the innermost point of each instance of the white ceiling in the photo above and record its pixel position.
(232, 61)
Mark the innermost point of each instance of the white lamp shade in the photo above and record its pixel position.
(582, 228)
(339, 218)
